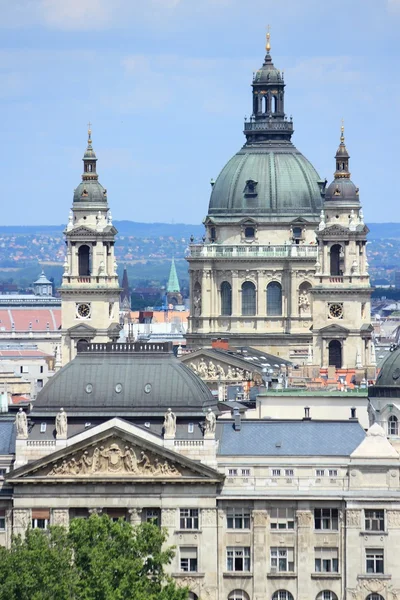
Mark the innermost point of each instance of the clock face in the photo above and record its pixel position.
(83, 310)
(336, 311)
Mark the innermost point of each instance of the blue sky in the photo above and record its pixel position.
(166, 85)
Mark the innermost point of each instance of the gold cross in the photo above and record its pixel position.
(89, 126)
(268, 45)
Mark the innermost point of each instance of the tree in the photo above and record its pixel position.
(97, 559)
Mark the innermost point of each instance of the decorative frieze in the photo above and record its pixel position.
(60, 516)
(353, 518)
(168, 517)
(304, 518)
(393, 518)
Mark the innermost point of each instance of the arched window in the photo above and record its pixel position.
(335, 260)
(248, 298)
(81, 345)
(282, 595)
(274, 299)
(374, 597)
(238, 595)
(265, 104)
(335, 354)
(393, 425)
(327, 595)
(84, 260)
(192, 596)
(226, 299)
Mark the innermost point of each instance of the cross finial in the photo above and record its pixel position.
(268, 45)
(89, 133)
(342, 132)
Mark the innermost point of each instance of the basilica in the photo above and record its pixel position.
(283, 265)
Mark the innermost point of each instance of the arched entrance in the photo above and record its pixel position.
(335, 354)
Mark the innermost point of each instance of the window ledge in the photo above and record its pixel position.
(325, 531)
(283, 531)
(188, 574)
(282, 575)
(374, 532)
(237, 574)
(374, 576)
(326, 575)
(196, 531)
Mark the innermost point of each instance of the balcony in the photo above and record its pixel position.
(268, 125)
(254, 251)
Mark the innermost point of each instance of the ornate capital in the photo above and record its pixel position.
(304, 518)
(353, 518)
(135, 515)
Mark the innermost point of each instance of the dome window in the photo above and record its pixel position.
(213, 234)
(250, 191)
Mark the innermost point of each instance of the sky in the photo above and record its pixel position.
(166, 85)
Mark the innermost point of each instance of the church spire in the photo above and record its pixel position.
(342, 158)
(173, 281)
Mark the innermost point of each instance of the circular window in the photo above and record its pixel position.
(118, 388)
(89, 388)
(147, 388)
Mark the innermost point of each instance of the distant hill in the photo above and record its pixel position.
(384, 230)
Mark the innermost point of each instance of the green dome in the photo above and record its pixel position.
(90, 191)
(283, 184)
(388, 382)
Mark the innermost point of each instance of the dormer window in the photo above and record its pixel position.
(250, 190)
(213, 234)
(249, 233)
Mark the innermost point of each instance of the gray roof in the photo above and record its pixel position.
(7, 436)
(124, 380)
(387, 384)
(290, 438)
(287, 184)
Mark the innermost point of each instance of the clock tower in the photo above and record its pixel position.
(342, 329)
(90, 290)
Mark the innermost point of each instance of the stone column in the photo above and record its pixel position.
(235, 294)
(135, 516)
(305, 553)
(60, 516)
(22, 518)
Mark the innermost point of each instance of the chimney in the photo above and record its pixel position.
(353, 412)
(222, 344)
(307, 414)
(237, 425)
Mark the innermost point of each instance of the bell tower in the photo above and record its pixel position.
(342, 327)
(90, 290)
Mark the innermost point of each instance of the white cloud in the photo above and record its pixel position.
(393, 5)
(78, 14)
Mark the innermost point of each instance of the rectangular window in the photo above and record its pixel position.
(282, 559)
(245, 472)
(320, 473)
(276, 472)
(189, 518)
(238, 518)
(238, 559)
(43, 427)
(152, 515)
(374, 520)
(289, 472)
(326, 518)
(326, 560)
(190, 427)
(40, 523)
(41, 369)
(282, 518)
(333, 472)
(40, 518)
(188, 557)
(2, 520)
(232, 472)
(374, 561)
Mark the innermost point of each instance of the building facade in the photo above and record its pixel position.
(263, 276)
(90, 291)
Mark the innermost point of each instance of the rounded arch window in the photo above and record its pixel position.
(238, 595)
(226, 298)
(335, 354)
(82, 345)
(327, 595)
(84, 260)
(282, 595)
(374, 597)
(393, 425)
(248, 298)
(274, 299)
(336, 259)
(192, 596)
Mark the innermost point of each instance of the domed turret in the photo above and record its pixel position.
(90, 190)
(268, 176)
(342, 189)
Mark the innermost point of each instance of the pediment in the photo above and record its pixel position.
(209, 365)
(82, 330)
(112, 455)
(334, 329)
(82, 230)
(299, 220)
(335, 230)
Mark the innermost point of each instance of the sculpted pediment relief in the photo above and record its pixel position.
(335, 230)
(211, 369)
(113, 455)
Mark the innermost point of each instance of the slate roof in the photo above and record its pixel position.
(290, 438)
(7, 436)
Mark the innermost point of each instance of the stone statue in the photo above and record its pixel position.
(197, 301)
(212, 372)
(239, 374)
(61, 424)
(169, 423)
(231, 373)
(317, 267)
(352, 220)
(70, 221)
(321, 225)
(98, 221)
(21, 423)
(221, 372)
(354, 268)
(210, 423)
(202, 368)
(101, 268)
(193, 367)
(304, 303)
(109, 218)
